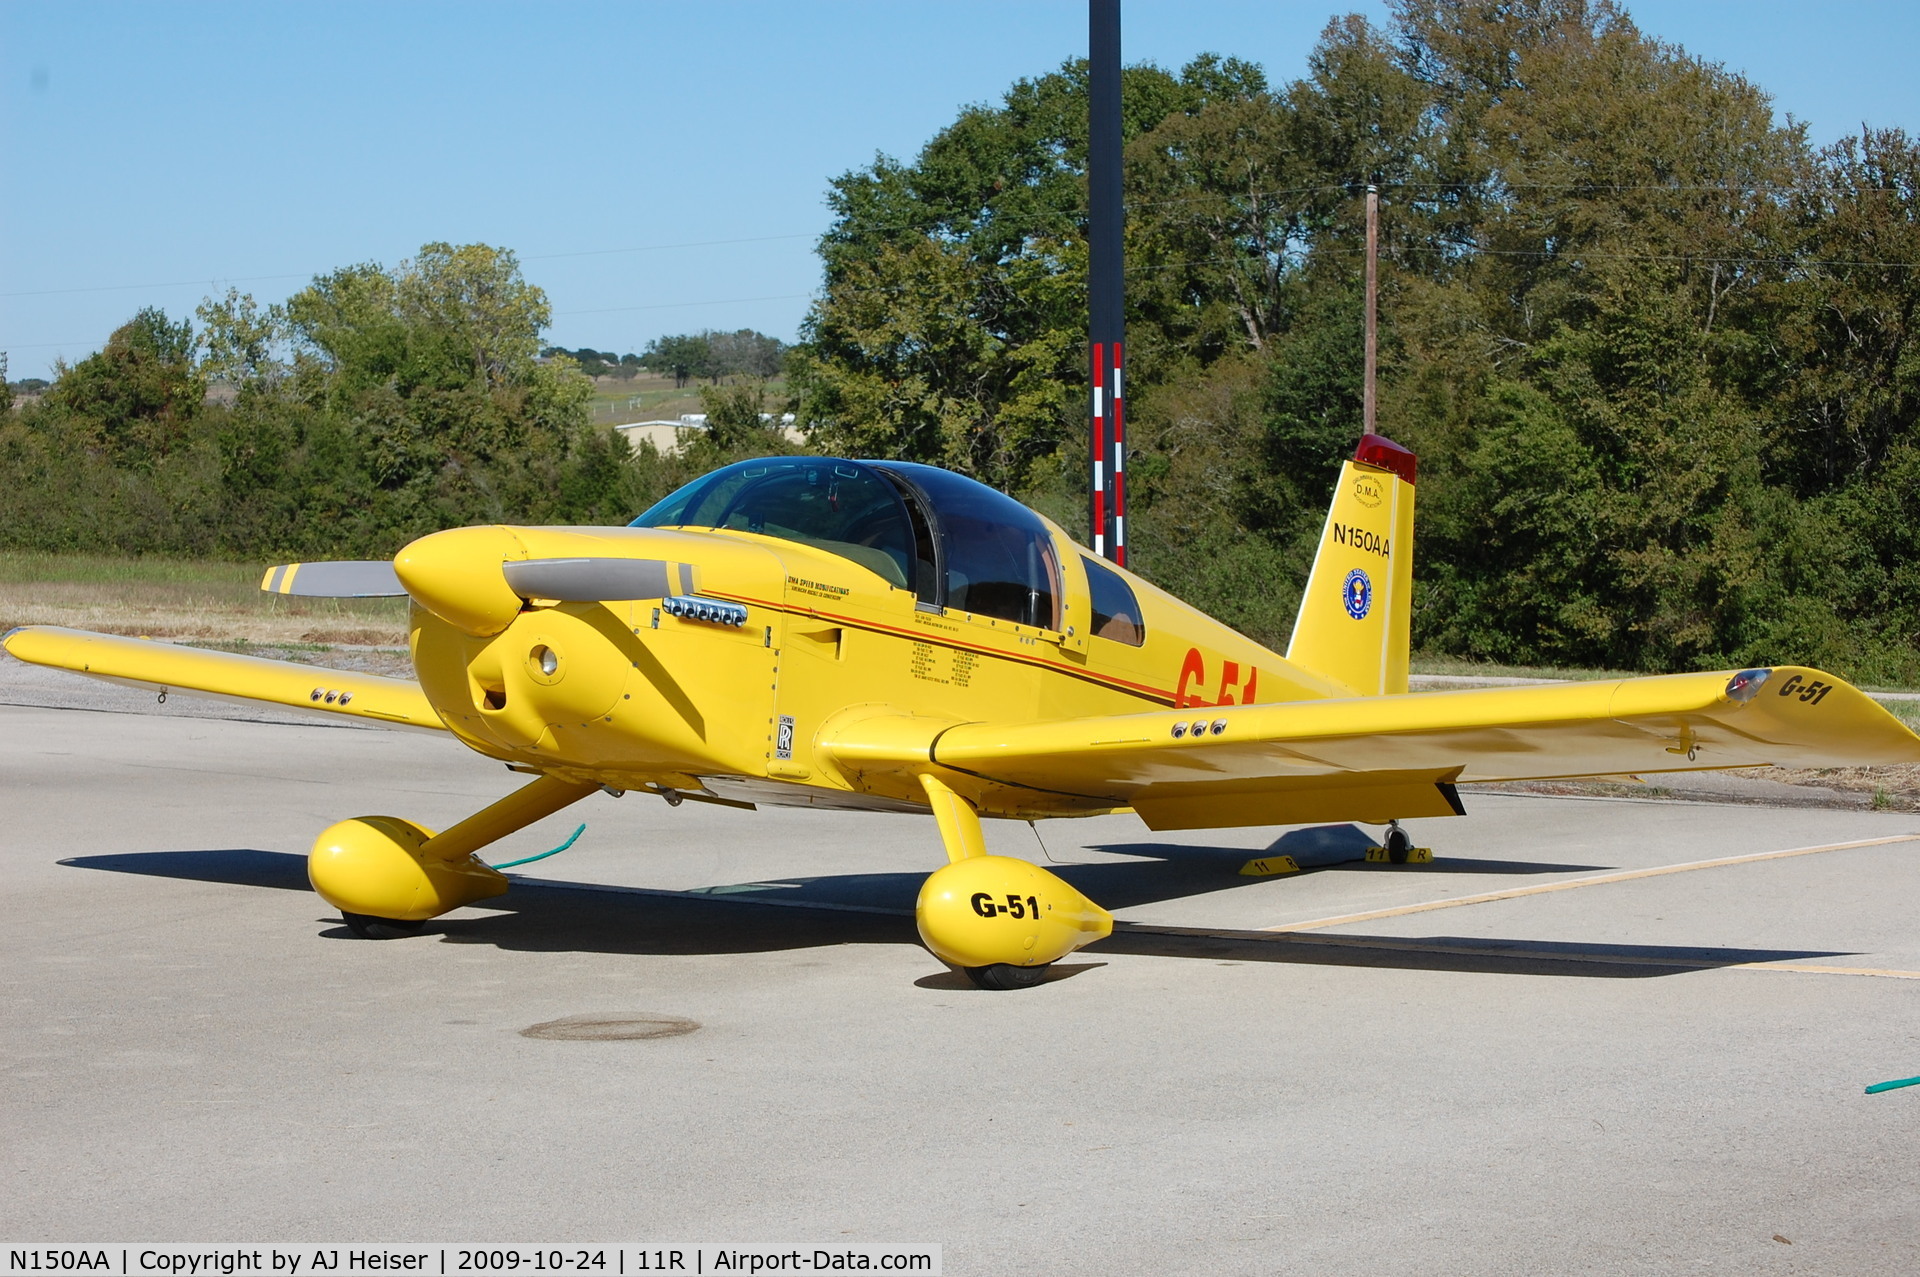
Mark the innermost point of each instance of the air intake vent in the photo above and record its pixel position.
(691, 607)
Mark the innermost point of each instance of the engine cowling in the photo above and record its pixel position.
(986, 910)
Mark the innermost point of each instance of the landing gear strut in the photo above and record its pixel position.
(386, 876)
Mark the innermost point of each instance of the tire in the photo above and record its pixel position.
(368, 927)
(1399, 845)
(1004, 975)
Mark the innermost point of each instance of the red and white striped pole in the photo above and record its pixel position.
(1117, 471)
(1100, 448)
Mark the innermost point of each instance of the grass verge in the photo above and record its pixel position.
(183, 599)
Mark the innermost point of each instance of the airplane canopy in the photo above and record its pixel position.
(956, 543)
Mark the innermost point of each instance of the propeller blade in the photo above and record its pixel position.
(589, 580)
(336, 579)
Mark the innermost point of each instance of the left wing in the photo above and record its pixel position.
(167, 667)
(1386, 757)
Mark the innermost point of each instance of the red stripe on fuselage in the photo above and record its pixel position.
(1157, 695)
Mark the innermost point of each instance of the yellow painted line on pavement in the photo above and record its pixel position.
(1595, 881)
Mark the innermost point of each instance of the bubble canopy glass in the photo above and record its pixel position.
(954, 542)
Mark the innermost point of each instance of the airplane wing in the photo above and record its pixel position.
(1388, 757)
(168, 667)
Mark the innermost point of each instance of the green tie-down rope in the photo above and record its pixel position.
(527, 860)
(1894, 1085)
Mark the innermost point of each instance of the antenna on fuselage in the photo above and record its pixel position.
(1369, 400)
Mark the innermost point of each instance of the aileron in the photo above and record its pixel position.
(169, 667)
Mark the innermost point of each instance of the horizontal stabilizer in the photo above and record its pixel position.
(593, 580)
(169, 667)
(335, 579)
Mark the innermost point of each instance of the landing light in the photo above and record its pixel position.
(546, 659)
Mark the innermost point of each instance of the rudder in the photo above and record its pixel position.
(1354, 616)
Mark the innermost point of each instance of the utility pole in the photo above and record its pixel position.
(1106, 281)
(1368, 402)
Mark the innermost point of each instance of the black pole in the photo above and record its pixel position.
(1106, 279)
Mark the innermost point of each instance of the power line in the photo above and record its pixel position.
(660, 248)
(127, 288)
(538, 257)
(1490, 185)
(718, 301)
(1185, 263)
(1573, 257)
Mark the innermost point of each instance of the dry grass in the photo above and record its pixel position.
(1461, 672)
(179, 599)
(1886, 788)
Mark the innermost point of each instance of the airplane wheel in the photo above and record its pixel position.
(368, 927)
(1398, 843)
(1004, 975)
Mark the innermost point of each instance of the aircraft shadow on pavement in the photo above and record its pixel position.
(1230, 859)
(1477, 954)
(1315, 849)
(546, 916)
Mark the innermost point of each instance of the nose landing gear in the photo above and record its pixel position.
(386, 876)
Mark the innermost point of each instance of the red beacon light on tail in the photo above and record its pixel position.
(1384, 454)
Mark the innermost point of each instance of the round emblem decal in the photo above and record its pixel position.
(1357, 593)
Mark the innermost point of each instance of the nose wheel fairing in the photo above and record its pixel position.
(383, 867)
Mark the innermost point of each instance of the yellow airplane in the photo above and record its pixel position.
(882, 636)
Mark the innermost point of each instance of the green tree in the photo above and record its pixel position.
(237, 340)
(745, 353)
(137, 397)
(437, 360)
(952, 325)
(684, 357)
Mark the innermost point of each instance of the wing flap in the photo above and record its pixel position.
(1682, 722)
(1374, 797)
(168, 667)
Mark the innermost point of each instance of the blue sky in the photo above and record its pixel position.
(658, 167)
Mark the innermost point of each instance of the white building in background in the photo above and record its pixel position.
(671, 436)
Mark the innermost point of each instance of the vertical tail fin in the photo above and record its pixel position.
(1353, 620)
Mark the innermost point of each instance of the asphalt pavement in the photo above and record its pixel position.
(1594, 1036)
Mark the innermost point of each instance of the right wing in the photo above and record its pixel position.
(168, 667)
(1379, 758)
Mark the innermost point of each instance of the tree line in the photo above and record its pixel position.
(704, 356)
(374, 406)
(1651, 344)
